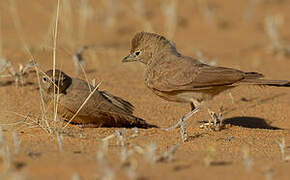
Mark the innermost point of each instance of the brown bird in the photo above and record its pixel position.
(179, 78)
(101, 110)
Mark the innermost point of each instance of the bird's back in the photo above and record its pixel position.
(181, 79)
(101, 108)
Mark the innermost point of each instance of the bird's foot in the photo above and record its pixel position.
(182, 125)
(172, 127)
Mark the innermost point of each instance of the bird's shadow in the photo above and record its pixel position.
(250, 122)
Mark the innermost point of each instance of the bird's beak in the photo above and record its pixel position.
(128, 58)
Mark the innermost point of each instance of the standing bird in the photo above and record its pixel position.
(179, 78)
(102, 109)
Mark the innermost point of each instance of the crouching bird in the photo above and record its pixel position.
(80, 103)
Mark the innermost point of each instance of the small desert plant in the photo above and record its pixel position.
(202, 58)
(248, 162)
(5, 154)
(83, 16)
(250, 9)
(170, 12)
(76, 176)
(215, 122)
(168, 156)
(79, 60)
(210, 153)
(140, 10)
(107, 173)
(1, 45)
(272, 24)
(18, 26)
(59, 138)
(17, 143)
(269, 173)
(136, 132)
(207, 11)
(110, 12)
(121, 142)
(19, 76)
(282, 146)
(150, 153)
(131, 169)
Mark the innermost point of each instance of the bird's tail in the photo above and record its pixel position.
(253, 75)
(253, 78)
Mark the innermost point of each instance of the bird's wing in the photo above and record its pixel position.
(102, 108)
(100, 102)
(185, 73)
(119, 102)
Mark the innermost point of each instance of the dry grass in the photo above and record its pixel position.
(283, 146)
(68, 24)
(278, 46)
(210, 155)
(128, 149)
(5, 156)
(248, 162)
(79, 60)
(16, 142)
(44, 123)
(82, 23)
(18, 27)
(55, 97)
(141, 12)
(17, 76)
(1, 43)
(170, 13)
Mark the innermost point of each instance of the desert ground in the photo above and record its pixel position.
(250, 35)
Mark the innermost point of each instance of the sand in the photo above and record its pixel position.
(228, 33)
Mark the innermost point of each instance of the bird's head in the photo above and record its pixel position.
(60, 81)
(145, 46)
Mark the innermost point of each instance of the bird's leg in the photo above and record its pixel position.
(182, 124)
(182, 119)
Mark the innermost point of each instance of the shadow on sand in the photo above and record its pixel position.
(250, 122)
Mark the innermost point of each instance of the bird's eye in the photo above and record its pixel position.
(44, 79)
(137, 53)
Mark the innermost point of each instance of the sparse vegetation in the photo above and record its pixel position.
(282, 146)
(248, 162)
(36, 36)
(19, 76)
(278, 46)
